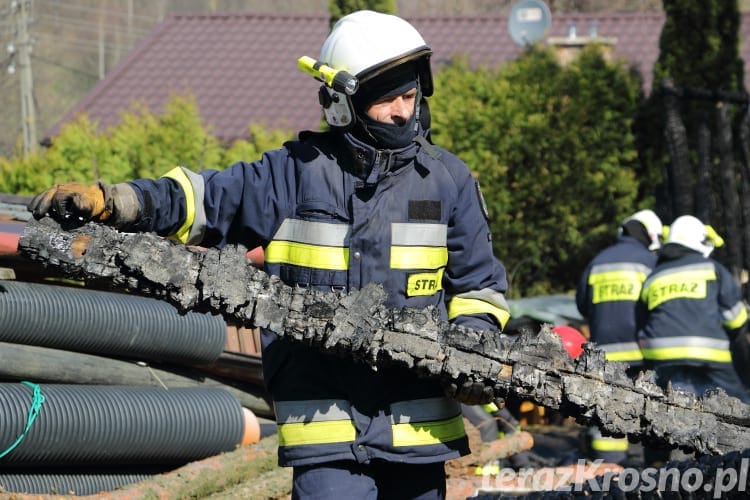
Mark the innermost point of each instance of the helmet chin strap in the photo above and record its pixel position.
(417, 102)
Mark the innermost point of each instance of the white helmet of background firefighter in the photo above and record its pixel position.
(653, 226)
(690, 232)
(366, 44)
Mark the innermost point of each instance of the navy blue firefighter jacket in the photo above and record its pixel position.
(692, 307)
(607, 295)
(334, 214)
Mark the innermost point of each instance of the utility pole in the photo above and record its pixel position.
(102, 39)
(20, 52)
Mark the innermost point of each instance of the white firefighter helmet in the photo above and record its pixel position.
(653, 226)
(365, 44)
(690, 232)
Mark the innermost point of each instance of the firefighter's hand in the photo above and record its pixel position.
(71, 204)
(470, 392)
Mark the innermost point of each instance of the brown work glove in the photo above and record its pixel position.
(75, 204)
(470, 392)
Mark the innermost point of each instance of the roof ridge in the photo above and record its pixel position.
(554, 15)
(244, 15)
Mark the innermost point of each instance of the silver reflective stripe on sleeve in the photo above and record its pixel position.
(736, 316)
(486, 301)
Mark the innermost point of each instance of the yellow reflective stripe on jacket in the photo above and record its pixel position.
(688, 347)
(181, 175)
(319, 245)
(609, 444)
(418, 245)
(624, 356)
(418, 257)
(736, 316)
(481, 302)
(426, 433)
(426, 421)
(622, 351)
(322, 421)
(617, 282)
(686, 282)
(413, 423)
(301, 254)
(687, 352)
(316, 433)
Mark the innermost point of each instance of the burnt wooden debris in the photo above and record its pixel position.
(360, 326)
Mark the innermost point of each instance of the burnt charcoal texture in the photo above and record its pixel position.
(359, 325)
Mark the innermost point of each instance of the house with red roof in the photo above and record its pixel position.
(242, 67)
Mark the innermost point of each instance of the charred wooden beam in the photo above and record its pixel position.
(358, 325)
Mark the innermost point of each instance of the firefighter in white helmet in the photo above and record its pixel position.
(606, 296)
(692, 308)
(369, 201)
(610, 285)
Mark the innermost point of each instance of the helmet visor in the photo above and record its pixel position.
(397, 81)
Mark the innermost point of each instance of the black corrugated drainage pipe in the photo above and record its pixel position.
(68, 484)
(56, 366)
(107, 323)
(79, 425)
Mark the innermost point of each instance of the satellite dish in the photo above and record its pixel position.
(529, 21)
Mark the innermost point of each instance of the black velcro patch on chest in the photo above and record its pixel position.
(424, 210)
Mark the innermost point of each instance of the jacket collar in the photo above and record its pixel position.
(371, 164)
(673, 251)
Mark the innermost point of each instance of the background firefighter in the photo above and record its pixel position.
(607, 296)
(691, 307)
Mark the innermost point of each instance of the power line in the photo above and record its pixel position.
(92, 30)
(98, 10)
(93, 27)
(53, 39)
(36, 57)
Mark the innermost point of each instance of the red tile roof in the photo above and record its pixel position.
(242, 67)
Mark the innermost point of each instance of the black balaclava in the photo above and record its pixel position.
(382, 135)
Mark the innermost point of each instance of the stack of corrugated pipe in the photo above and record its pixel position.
(93, 397)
